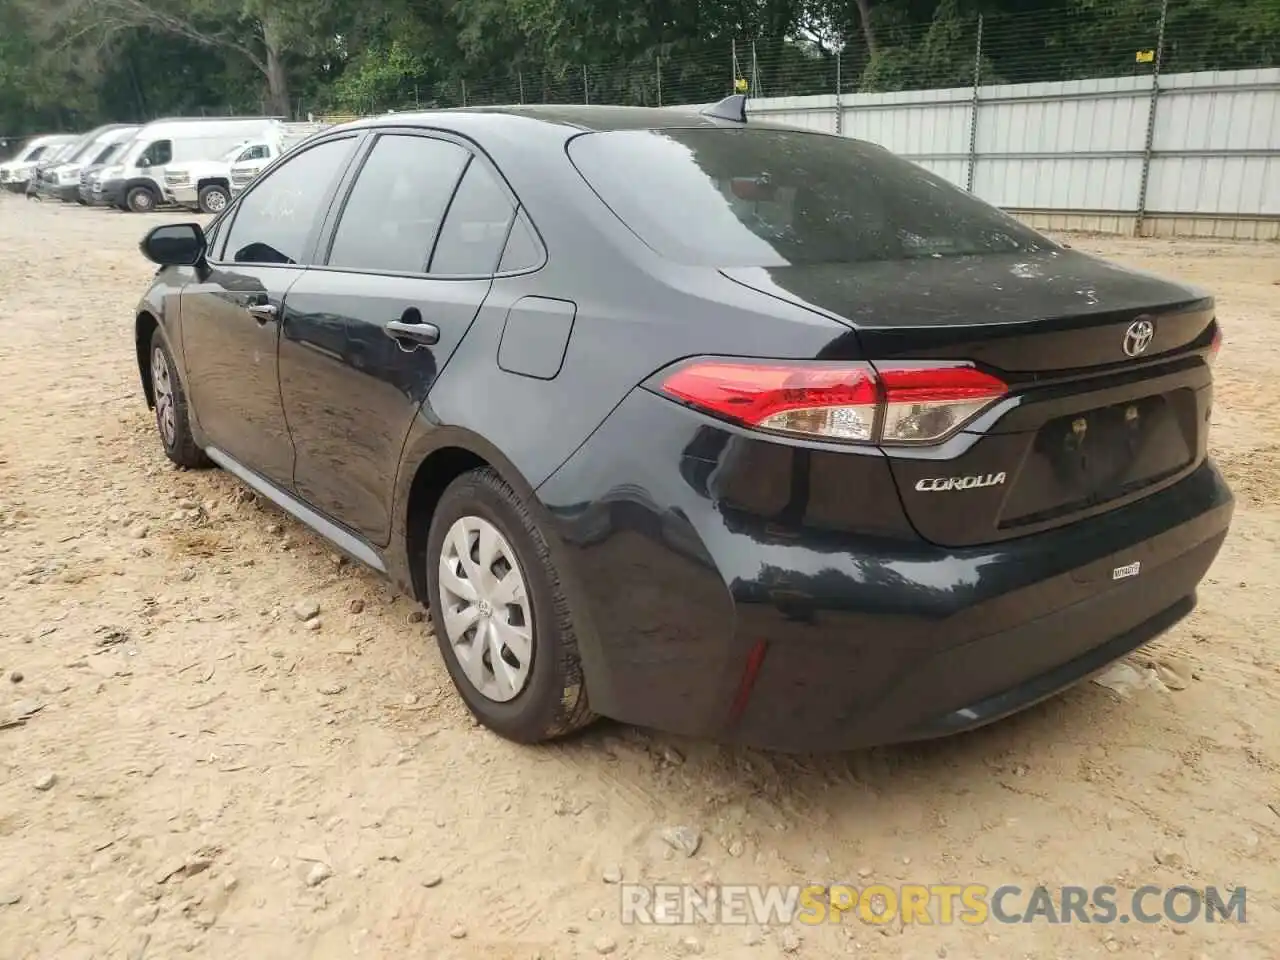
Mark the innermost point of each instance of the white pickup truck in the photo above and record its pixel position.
(205, 185)
(209, 185)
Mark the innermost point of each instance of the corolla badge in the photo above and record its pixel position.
(937, 484)
(1138, 337)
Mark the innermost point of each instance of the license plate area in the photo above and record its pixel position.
(1084, 460)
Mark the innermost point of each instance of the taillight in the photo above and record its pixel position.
(842, 401)
(836, 401)
(1216, 343)
(926, 403)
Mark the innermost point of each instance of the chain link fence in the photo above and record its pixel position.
(1124, 38)
(1089, 40)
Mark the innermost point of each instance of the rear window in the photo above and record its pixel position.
(744, 198)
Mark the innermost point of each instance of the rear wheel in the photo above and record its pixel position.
(501, 620)
(172, 417)
(141, 200)
(214, 198)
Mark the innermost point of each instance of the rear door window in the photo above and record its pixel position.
(741, 197)
(476, 227)
(394, 211)
(523, 251)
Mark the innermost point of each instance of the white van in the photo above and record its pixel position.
(136, 181)
(62, 178)
(205, 185)
(15, 174)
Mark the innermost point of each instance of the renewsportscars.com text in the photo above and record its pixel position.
(679, 904)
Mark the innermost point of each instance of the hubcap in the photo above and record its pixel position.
(163, 388)
(215, 201)
(487, 615)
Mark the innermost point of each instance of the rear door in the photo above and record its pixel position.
(231, 313)
(404, 268)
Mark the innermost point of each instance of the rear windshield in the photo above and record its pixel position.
(744, 198)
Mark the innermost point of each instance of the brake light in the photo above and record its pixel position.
(1216, 343)
(847, 401)
(837, 401)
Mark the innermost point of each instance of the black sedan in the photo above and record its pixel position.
(729, 429)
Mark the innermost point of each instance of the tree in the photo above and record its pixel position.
(70, 63)
(261, 32)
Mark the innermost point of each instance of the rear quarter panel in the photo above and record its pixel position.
(635, 313)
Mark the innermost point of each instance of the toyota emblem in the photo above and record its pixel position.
(1138, 337)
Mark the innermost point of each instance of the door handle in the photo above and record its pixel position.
(262, 312)
(415, 333)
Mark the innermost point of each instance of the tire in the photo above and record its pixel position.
(552, 700)
(140, 200)
(171, 410)
(214, 198)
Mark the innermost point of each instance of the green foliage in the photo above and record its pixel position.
(381, 75)
(72, 63)
(943, 56)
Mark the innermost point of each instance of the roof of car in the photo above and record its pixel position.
(580, 116)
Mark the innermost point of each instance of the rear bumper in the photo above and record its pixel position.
(754, 618)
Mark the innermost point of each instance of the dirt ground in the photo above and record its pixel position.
(207, 751)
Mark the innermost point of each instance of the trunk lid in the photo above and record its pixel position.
(1028, 313)
(1091, 422)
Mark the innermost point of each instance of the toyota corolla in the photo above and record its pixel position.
(698, 423)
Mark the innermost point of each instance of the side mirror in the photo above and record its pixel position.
(175, 245)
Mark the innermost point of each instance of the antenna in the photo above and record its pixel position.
(730, 108)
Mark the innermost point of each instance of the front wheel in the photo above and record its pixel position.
(214, 198)
(172, 415)
(141, 200)
(501, 620)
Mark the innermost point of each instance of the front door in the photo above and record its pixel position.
(230, 333)
(232, 313)
(369, 328)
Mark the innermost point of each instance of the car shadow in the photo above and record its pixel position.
(1001, 752)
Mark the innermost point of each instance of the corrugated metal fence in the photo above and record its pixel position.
(1192, 154)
